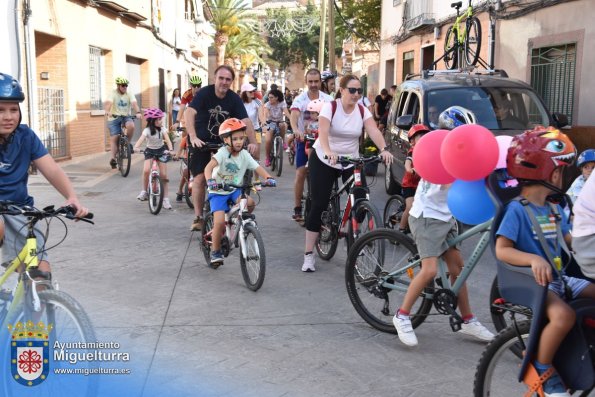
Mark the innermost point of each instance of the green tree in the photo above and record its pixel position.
(360, 18)
(247, 46)
(228, 21)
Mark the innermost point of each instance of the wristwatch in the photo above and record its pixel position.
(384, 149)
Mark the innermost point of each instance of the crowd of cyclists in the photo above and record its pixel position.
(221, 137)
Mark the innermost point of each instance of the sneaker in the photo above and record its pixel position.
(267, 162)
(258, 186)
(113, 163)
(216, 259)
(179, 197)
(474, 328)
(142, 196)
(197, 224)
(166, 204)
(554, 387)
(405, 330)
(308, 265)
(297, 214)
(285, 147)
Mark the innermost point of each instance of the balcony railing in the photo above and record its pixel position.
(418, 13)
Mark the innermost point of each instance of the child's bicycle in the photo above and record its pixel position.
(35, 303)
(155, 189)
(393, 211)
(291, 149)
(276, 154)
(241, 231)
(357, 218)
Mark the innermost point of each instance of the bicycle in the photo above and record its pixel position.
(35, 299)
(463, 39)
(393, 211)
(241, 231)
(155, 190)
(291, 152)
(276, 153)
(359, 215)
(124, 152)
(208, 147)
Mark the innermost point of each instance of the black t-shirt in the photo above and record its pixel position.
(211, 111)
(382, 103)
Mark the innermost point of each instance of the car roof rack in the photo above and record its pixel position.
(425, 74)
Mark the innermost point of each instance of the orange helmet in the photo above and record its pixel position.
(417, 129)
(535, 154)
(231, 125)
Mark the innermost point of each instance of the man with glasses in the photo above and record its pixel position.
(298, 119)
(209, 108)
(195, 85)
(433, 114)
(117, 109)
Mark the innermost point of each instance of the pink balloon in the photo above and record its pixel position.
(503, 145)
(426, 158)
(469, 152)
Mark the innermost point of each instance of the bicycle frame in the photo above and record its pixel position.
(460, 26)
(473, 260)
(354, 180)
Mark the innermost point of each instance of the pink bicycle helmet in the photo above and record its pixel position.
(315, 105)
(153, 113)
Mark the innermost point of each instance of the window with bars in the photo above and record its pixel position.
(95, 77)
(553, 76)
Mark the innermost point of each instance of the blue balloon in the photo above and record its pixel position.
(470, 202)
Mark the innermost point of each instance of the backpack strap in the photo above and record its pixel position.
(334, 109)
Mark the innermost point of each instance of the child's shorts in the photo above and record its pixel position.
(576, 285)
(223, 202)
(430, 235)
(408, 192)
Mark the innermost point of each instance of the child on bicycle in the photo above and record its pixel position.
(229, 165)
(585, 162)
(410, 179)
(537, 159)
(275, 111)
(182, 154)
(156, 138)
(432, 224)
(311, 125)
(19, 148)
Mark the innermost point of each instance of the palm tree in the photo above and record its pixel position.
(226, 20)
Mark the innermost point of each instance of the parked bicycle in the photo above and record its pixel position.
(359, 215)
(34, 299)
(463, 39)
(276, 153)
(241, 231)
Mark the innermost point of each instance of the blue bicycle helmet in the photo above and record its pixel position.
(585, 157)
(10, 89)
(455, 116)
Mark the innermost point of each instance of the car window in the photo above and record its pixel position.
(402, 101)
(413, 107)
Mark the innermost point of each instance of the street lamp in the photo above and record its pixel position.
(283, 81)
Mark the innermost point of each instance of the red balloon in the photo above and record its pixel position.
(469, 152)
(426, 158)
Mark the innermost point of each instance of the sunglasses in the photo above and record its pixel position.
(354, 90)
(124, 85)
(195, 86)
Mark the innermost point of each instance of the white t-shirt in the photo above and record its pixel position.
(301, 103)
(345, 131)
(584, 210)
(175, 103)
(430, 201)
(153, 141)
(364, 101)
(252, 110)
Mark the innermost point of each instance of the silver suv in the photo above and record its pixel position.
(506, 106)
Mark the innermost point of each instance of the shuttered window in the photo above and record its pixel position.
(95, 77)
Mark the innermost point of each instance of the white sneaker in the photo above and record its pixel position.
(477, 330)
(405, 330)
(142, 196)
(166, 203)
(308, 265)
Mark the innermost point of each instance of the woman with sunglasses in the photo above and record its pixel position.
(340, 127)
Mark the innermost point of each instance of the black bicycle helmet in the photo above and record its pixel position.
(10, 89)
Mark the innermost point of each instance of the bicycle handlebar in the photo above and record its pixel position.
(230, 186)
(12, 208)
(344, 160)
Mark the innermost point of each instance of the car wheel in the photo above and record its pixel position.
(390, 185)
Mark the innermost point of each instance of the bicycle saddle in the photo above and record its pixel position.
(456, 5)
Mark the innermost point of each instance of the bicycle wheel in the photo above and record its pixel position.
(188, 194)
(306, 200)
(368, 278)
(451, 47)
(253, 263)
(155, 191)
(472, 40)
(70, 325)
(279, 154)
(393, 211)
(124, 157)
(328, 238)
(291, 155)
(366, 219)
(503, 312)
(498, 368)
(205, 237)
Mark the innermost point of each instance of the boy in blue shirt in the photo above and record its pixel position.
(537, 159)
(229, 165)
(19, 147)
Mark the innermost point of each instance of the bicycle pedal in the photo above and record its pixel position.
(456, 323)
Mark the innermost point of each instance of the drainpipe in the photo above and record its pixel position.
(17, 43)
(492, 38)
(30, 64)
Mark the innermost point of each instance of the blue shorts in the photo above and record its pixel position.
(576, 285)
(115, 125)
(301, 159)
(221, 202)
